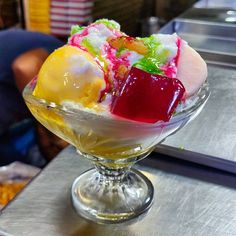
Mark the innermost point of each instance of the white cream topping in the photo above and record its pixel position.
(78, 106)
(98, 35)
(133, 57)
(168, 42)
(107, 101)
(79, 66)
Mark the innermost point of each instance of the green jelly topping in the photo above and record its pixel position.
(86, 43)
(120, 51)
(109, 23)
(156, 57)
(94, 51)
(150, 65)
(76, 29)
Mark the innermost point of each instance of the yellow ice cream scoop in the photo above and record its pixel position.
(70, 74)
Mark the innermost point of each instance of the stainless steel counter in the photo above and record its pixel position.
(216, 4)
(211, 138)
(189, 200)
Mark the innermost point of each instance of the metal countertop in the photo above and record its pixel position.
(216, 4)
(211, 138)
(189, 200)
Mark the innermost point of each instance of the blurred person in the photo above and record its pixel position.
(21, 137)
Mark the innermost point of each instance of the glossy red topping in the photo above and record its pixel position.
(147, 97)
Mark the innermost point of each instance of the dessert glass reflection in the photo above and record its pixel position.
(114, 191)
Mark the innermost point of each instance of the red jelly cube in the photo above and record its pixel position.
(147, 97)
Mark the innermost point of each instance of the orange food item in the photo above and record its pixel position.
(9, 190)
(130, 43)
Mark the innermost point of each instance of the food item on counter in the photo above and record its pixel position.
(8, 190)
(103, 70)
(13, 178)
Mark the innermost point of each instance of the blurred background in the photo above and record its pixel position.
(56, 16)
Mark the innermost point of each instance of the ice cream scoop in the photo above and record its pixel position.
(70, 74)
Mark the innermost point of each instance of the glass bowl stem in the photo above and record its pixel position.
(112, 194)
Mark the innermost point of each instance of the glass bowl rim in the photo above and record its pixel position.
(201, 96)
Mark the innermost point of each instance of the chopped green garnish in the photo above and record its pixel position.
(109, 23)
(150, 65)
(76, 29)
(157, 56)
(94, 51)
(86, 43)
(151, 42)
(120, 51)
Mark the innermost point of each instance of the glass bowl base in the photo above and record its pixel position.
(109, 199)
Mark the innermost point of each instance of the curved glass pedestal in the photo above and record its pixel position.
(111, 195)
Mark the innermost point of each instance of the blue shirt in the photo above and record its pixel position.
(13, 43)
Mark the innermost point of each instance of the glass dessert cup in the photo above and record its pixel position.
(113, 191)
